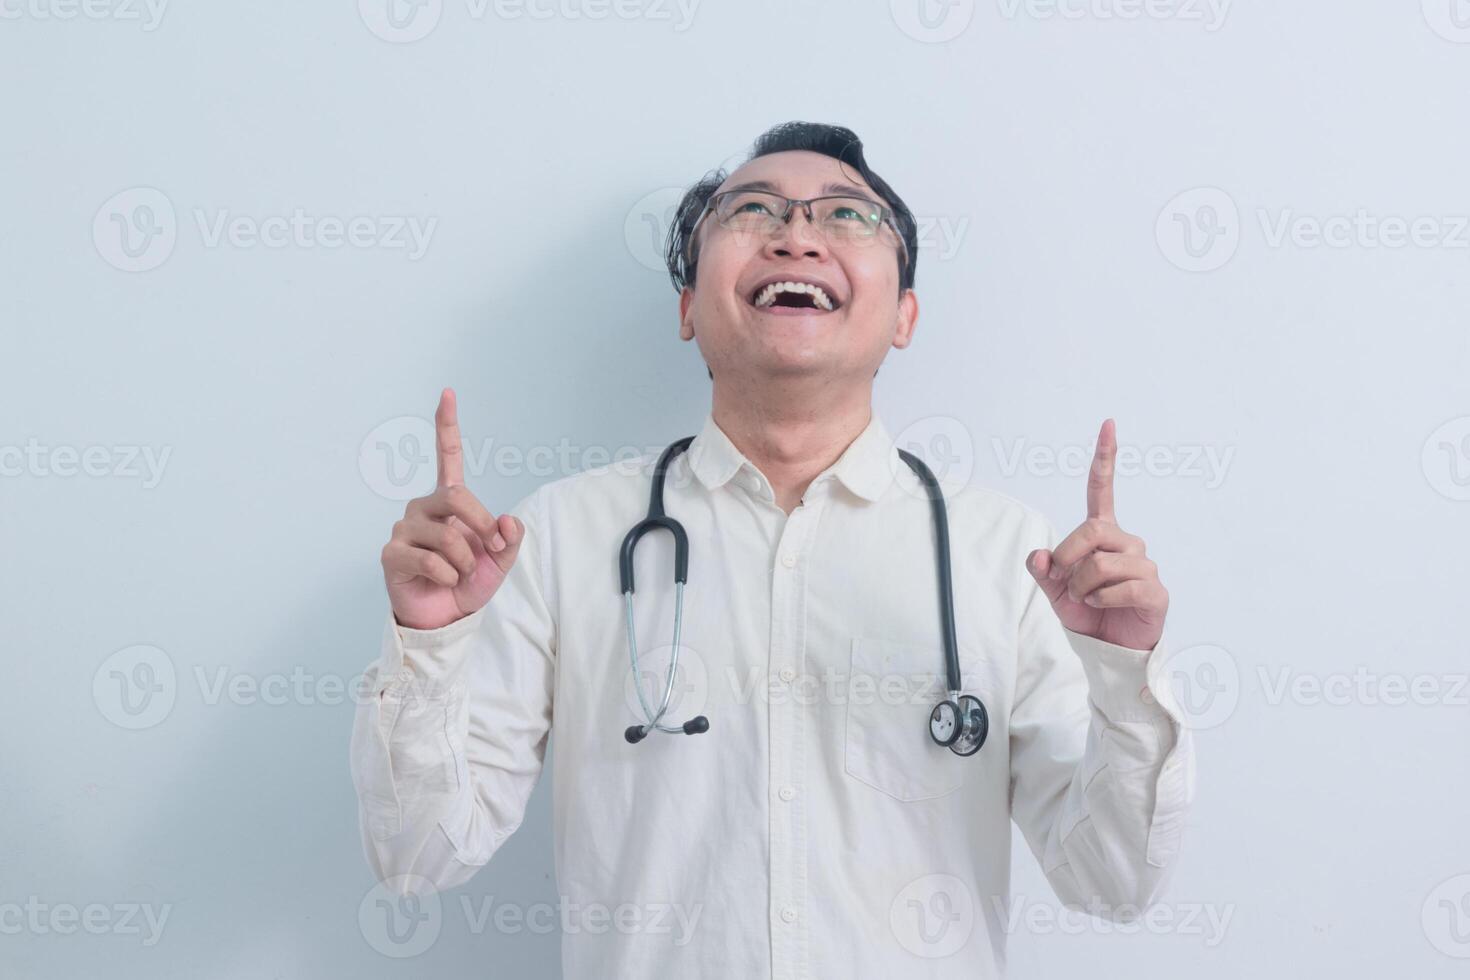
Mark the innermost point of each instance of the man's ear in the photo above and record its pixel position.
(686, 323)
(908, 318)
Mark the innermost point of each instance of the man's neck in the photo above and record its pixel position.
(791, 441)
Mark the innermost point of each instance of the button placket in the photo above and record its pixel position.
(788, 737)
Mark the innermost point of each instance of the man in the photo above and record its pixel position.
(816, 829)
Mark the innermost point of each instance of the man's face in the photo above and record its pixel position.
(739, 337)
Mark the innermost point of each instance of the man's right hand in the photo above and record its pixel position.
(449, 554)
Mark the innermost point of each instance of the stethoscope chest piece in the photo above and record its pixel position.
(960, 725)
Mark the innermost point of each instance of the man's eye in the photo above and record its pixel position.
(752, 207)
(848, 214)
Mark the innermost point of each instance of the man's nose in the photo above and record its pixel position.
(797, 236)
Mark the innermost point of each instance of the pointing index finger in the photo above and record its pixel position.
(447, 447)
(1100, 476)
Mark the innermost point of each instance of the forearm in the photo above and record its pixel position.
(418, 805)
(1116, 837)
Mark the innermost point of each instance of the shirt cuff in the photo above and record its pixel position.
(425, 662)
(1126, 684)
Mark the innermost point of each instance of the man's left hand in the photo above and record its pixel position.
(1099, 580)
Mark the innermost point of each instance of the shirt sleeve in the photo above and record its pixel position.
(449, 738)
(1102, 768)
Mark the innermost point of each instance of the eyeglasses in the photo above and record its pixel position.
(842, 220)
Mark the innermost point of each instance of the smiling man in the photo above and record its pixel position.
(825, 764)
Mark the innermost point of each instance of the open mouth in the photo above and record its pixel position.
(793, 295)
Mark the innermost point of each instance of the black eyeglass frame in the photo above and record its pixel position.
(885, 215)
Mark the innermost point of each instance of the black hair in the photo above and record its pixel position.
(838, 142)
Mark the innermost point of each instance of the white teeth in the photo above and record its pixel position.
(768, 295)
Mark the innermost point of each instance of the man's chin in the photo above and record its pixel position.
(790, 361)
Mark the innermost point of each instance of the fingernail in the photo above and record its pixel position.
(1056, 571)
(497, 542)
(1091, 600)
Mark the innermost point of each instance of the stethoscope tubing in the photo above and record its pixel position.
(941, 561)
(967, 709)
(654, 716)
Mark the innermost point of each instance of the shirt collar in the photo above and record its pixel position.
(866, 466)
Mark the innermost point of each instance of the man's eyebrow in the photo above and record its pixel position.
(754, 185)
(852, 189)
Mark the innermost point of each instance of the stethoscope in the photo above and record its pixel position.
(960, 722)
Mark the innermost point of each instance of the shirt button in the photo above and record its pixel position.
(788, 914)
(1146, 696)
(788, 675)
(789, 561)
(787, 793)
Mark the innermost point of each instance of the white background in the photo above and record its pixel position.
(1059, 156)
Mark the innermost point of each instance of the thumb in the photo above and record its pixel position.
(514, 532)
(1038, 563)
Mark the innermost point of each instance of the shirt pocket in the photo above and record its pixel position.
(892, 688)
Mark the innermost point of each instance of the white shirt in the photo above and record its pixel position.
(815, 830)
